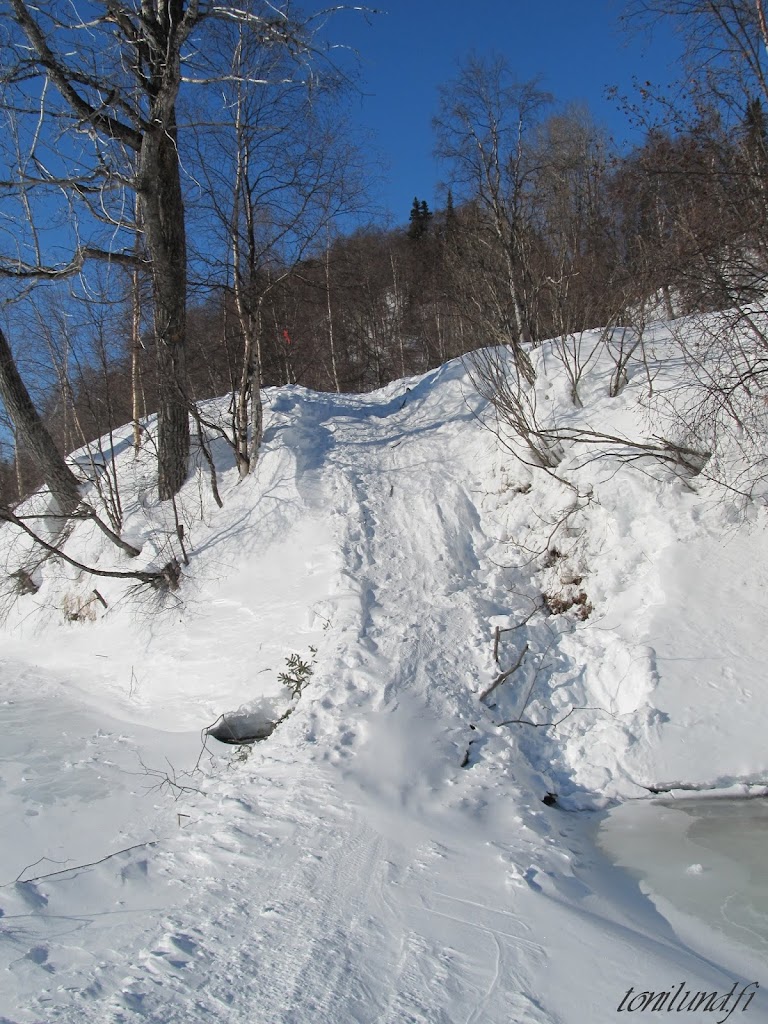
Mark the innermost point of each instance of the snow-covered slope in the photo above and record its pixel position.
(386, 854)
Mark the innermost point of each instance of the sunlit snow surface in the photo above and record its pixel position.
(385, 856)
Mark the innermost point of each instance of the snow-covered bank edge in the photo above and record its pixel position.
(388, 849)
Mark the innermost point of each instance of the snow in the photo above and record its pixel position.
(386, 853)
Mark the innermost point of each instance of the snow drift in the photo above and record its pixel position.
(499, 652)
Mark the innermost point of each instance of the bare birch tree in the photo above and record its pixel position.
(482, 128)
(101, 81)
(279, 170)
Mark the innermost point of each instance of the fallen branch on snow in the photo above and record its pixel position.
(553, 725)
(504, 675)
(75, 867)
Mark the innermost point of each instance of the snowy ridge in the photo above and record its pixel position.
(386, 855)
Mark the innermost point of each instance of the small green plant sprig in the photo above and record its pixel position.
(298, 673)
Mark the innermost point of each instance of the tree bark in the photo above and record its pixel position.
(153, 38)
(257, 405)
(136, 346)
(162, 213)
(60, 479)
(334, 365)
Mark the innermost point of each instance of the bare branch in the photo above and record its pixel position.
(502, 676)
(159, 579)
(62, 77)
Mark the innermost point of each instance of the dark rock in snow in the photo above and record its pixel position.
(240, 727)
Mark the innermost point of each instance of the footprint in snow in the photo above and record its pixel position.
(185, 943)
(272, 910)
(39, 955)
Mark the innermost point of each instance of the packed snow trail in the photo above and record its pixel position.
(320, 912)
(409, 531)
(385, 857)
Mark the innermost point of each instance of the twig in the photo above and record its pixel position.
(168, 779)
(77, 867)
(33, 865)
(510, 629)
(504, 675)
(692, 787)
(207, 456)
(179, 531)
(153, 578)
(554, 725)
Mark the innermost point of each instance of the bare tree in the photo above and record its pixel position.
(517, 424)
(482, 129)
(725, 42)
(576, 253)
(60, 479)
(713, 184)
(108, 78)
(278, 170)
(329, 306)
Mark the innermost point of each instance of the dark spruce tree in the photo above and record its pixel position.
(450, 209)
(419, 219)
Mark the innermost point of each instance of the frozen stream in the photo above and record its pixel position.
(701, 861)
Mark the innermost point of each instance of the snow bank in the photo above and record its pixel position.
(483, 634)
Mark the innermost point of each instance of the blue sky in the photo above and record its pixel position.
(576, 47)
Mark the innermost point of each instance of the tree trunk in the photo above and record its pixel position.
(135, 367)
(257, 411)
(334, 366)
(136, 346)
(249, 394)
(18, 467)
(396, 322)
(162, 214)
(60, 479)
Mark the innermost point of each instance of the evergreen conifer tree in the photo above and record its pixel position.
(450, 209)
(414, 220)
(419, 219)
